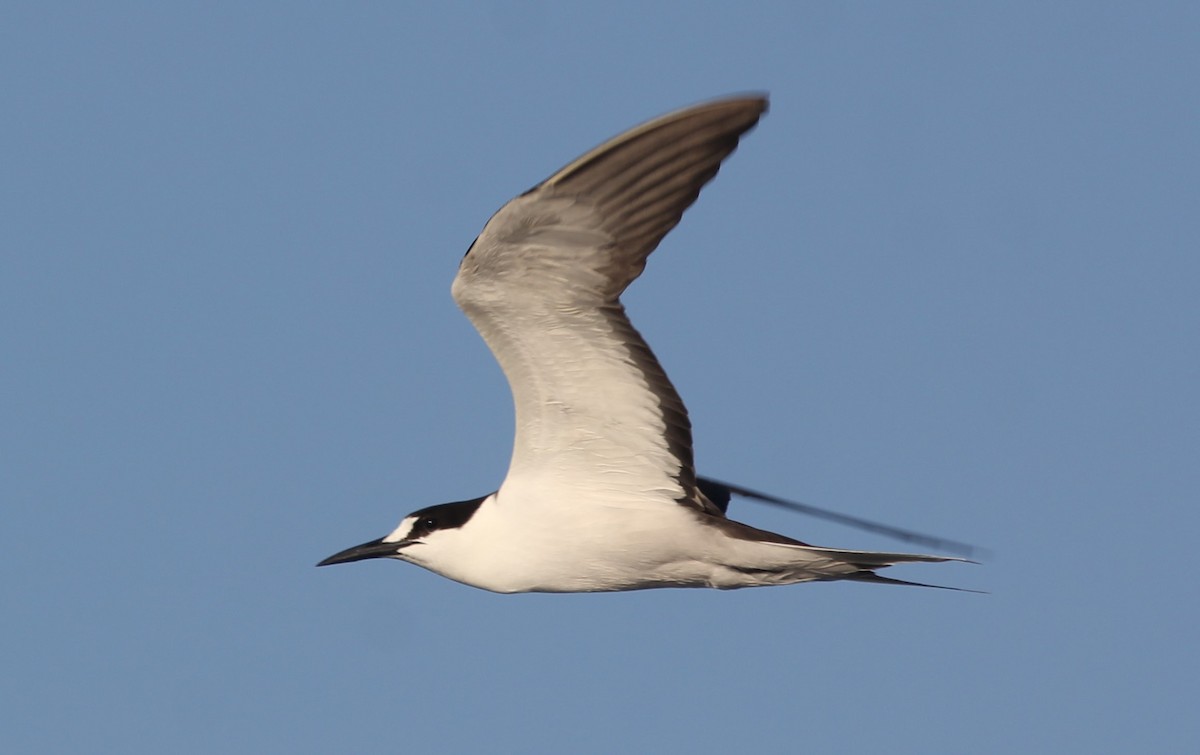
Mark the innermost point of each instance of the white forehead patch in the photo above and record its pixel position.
(402, 531)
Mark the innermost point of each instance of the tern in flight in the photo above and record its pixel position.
(601, 493)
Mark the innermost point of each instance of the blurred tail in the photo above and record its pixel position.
(870, 576)
(868, 561)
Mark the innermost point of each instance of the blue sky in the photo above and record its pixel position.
(949, 283)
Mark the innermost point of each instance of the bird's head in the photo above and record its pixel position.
(418, 537)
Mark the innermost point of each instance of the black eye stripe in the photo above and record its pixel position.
(444, 516)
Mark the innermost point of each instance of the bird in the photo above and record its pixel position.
(601, 493)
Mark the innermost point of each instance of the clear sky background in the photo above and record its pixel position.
(949, 283)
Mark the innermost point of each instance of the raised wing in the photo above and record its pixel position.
(594, 409)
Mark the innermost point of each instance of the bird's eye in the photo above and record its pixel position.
(427, 523)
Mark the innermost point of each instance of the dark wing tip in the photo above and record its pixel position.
(641, 181)
(725, 490)
(718, 493)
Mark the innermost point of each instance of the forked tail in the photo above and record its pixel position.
(868, 561)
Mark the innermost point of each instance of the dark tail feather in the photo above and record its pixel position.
(870, 576)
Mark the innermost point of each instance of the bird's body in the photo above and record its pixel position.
(601, 493)
(523, 540)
